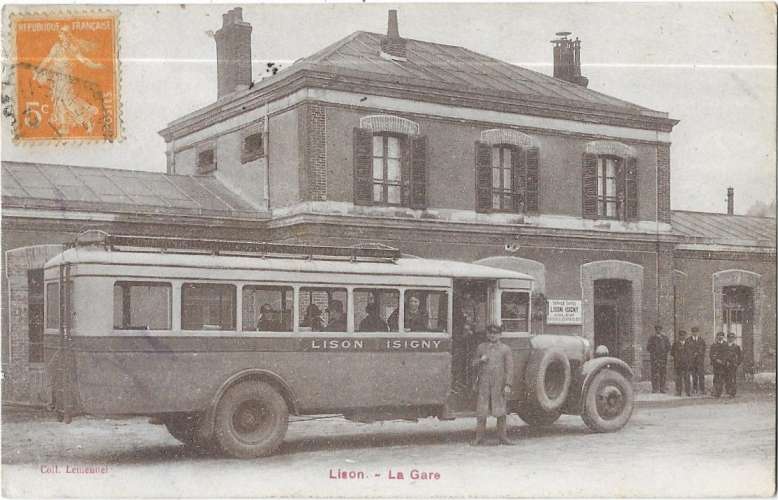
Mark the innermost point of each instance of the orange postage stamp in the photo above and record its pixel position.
(67, 77)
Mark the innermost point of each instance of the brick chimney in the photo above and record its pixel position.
(233, 53)
(392, 46)
(730, 201)
(567, 59)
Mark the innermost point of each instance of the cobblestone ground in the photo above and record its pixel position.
(703, 448)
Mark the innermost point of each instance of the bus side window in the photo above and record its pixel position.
(515, 311)
(207, 306)
(426, 311)
(141, 305)
(267, 308)
(372, 308)
(323, 309)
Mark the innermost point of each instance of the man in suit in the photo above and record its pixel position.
(495, 377)
(681, 361)
(718, 361)
(696, 346)
(337, 318)
(733, 359)
(658, 347)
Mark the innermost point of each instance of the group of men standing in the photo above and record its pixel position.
(689, 362)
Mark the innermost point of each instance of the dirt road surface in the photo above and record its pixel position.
(712, 448)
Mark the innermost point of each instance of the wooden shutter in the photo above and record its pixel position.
(363, 166)
(631, 189)
(418, 194)
(483, 177)
(589, 186)
(532, 196)
(519, 167)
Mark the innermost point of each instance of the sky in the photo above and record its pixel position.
(709, 65)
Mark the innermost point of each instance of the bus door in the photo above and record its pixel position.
(471, 317)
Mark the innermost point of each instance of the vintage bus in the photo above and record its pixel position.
(223, 340)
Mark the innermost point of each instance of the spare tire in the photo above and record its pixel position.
(548, 379)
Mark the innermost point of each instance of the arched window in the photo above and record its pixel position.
(610, 189)
(390, 162)
(507, 172)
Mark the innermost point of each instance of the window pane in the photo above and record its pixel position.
(610, 186)
(376, 310)
(610, 209)
(393, 146)
(506, 157)
(610, 167)
(496, 200)
(425, 311)
(394, 195)
(378, 145)
(515, 311)
(600, 178)
(141, 306)
(323, 309)
(267, 308)
(52, 305)
(393, 167)
(378, 192)
(207, 306)
(507, 202)
(496, 180)
(378, 169)
(495, 157)
(507, 179)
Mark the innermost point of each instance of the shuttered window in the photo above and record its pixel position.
(390, 169)
(507, 178)
(610, 188)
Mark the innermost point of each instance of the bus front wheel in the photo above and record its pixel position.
(251, 420)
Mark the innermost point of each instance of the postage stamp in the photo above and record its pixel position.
(67, 76)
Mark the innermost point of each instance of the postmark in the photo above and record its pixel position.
(66, 77)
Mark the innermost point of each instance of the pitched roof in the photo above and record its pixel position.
(725, 229)
(452, 65)
(64, 187)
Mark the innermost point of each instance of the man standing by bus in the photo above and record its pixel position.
(658, 346)
(718, 361)
(696, 346)
(495, 376)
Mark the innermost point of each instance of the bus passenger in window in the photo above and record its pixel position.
(337, 321)
(313, 317)
(416, 320)
(265, 321)
(373, 322)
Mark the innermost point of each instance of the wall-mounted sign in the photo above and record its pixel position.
(564, 312)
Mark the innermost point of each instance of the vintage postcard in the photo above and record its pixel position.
(357, 250)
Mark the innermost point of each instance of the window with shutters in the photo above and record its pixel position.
(506, 178)
(390, 169)
(387, 169)
(610, 189)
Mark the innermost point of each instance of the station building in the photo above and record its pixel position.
(436, 150)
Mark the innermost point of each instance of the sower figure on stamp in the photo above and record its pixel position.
(658, 346)
(495, 376)
(681, 364)
(696, 345)
(718, 361)
(733, 359)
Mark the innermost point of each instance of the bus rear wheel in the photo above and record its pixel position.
(251, 420)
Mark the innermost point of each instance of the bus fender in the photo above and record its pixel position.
(207, 426)
(592, 368)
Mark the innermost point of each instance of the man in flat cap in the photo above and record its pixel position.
(718, 361)
(658, 347)
(734, 358)
(681, 360)
(696, 346)
(495, 376)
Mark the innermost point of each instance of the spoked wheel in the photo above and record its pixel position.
(608, 402)
(251, 420)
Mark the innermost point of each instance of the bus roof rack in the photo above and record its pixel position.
(371, 251)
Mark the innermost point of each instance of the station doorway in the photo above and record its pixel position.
(613, 315)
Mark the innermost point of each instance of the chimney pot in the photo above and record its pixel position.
(567, 59)
(730, 201)
(233, 53)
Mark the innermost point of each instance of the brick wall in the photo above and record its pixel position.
(663, 182)
(313, 171)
